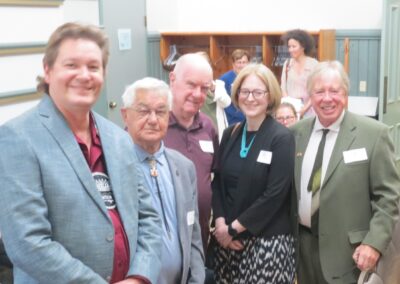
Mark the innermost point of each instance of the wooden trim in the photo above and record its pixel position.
(22, 48)
(31, 3)
(327, 45)
(19, 97)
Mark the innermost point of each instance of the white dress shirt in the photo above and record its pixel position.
(308, 164)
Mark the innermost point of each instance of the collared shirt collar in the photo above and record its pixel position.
(333, 127)
(143, 155)
(195, 125)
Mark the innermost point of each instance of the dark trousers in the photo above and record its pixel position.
(309, 269)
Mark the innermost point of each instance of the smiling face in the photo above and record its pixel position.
(286, 116)
(147, 119)
(76, 77)
(328, 98)
(240, 63)
(295, 49)
(253, 109)
(190, 85)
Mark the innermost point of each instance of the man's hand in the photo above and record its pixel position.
(366, 257)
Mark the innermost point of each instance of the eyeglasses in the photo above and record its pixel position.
(285, 118)
(146, 113)
(257, 93)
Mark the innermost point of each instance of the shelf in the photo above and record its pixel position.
(219, 46)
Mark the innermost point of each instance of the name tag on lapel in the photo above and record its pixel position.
(264, 157)
(206, 146)
(355, 155)
(190, 218)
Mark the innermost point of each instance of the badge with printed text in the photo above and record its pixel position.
(265, 157)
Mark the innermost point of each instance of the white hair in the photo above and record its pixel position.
(146, 84)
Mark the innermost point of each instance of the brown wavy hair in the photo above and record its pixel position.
(71, 31)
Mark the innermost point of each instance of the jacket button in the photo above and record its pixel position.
(110, 238)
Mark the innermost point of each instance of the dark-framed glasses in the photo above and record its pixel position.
(257, 93)
(285, 118)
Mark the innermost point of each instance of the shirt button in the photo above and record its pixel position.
(110, 238)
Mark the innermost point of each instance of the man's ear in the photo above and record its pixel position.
(46, 69)
(172, 77)
(124, 116)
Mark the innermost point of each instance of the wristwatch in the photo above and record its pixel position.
(231, 231)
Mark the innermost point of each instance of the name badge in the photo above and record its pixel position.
(355, 155)
(206, 146)
(190, 218)
(264, 157)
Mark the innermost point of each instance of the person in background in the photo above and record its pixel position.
(297, 68)
(347, 182)
(216, 101)
(252, 188)
(240, 58)
(73, 206)
(191, 132)
(171, 178)
(286, 114)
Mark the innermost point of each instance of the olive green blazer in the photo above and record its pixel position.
(358, 199)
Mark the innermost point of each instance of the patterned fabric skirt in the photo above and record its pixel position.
(263, 260)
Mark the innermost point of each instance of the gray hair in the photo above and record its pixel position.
(329, 68)
(195, 60)
(146, 84)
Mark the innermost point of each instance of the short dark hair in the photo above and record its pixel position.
(239, 53)
(72, 31)
(304, 38)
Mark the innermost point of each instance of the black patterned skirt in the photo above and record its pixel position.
(263, 260)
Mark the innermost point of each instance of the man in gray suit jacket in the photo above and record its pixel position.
(348, 211)
(73, 206)
(171, 178)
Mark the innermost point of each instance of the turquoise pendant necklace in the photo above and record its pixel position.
(243, 149)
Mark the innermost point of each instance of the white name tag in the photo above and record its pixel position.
(206, 146)
(190, 218)
(264, 157)
(355, 155)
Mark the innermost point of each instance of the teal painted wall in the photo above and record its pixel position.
(364, 59)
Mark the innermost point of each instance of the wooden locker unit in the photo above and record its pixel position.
(219, 46)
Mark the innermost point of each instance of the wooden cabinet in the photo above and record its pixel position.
(219, 46)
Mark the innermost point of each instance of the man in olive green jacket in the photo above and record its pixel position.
(346, 225)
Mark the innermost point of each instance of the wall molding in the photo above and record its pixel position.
(30, 3)
(19, 96)
(22, 48)
(358, 34)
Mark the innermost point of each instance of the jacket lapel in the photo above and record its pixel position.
(179, 196)
(344, 140)
(55, 123)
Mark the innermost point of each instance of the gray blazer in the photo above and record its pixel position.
(184, 179)
(54, 223)
(359, 200)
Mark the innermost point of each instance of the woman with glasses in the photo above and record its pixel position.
(286, 114)
(252, 188)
